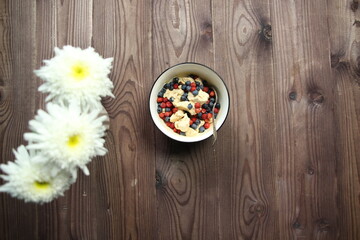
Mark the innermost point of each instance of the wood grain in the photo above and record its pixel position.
(187, 201)
(286, 162)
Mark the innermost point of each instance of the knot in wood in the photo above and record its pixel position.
(310, 171)
(323, 225)
(334, 60)
(316, 97)
(266, 33)
(292, 96)
(207, 31)
(158, 180)
(296, 224)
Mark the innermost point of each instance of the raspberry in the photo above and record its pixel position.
(197, 105)
(159, 99)
(206, 125)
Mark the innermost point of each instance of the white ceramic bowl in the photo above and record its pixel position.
(205, 73)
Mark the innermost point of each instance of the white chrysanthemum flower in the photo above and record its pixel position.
(76, 74)
(67, 135)
(33, 179)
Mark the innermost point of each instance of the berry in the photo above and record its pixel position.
(193, 76)
(163, 105)
(211, 104)
(171, 99)
(167, 109)
(172, 125)
(190, 106)
(162, 115)
(183, 87)
(205, 89)
(212, 99)
(183, 98)
(176, 86)
(167, 119)
(171, 87)
(212, 93)
(188, 88)
(174, 110)
(193, 119)
(197, 121)
(167, 114)
(193, 126)
(191, 122)
(201, 129)
(204, 116)
(169, 104)
(182, 134)
(216, 110)
(206, 125)
(200, 114)
(192, 89)
(165, 100)
(175, 130)
(197, 105)
(159, 99)
(159, 110)
(196, 92)
(188, 83)
(175, 79)
(209, 115)
(203, 110)
(204, 105)
(197, 110)
(217, 105)
(193, 84)
(197, 83)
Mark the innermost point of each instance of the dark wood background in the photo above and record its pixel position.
(286, 164)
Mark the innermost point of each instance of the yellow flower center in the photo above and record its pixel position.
(39, 185)
(74, 141)
(79, 71)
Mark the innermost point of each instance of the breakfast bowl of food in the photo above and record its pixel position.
(189, 102)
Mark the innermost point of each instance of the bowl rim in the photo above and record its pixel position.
(183, 63)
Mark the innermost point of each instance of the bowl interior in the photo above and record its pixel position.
(204, 73)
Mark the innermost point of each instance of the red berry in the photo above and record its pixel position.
(174, 110)
(197, 110)
(197, 105)
(209, 115)
(204, 116)
(192, 89)
(207, 120)
(162, 115)
(216, 110)
(159, 99)
(165, 100)
(206, 125)
(175, 130)
(191, 122)
(176, 86)
(168, 104)
(205, 89)
(167, 114)
(168, 124)
(203, 110)
(212, 93)
(193, 84)
(172, 125)
(163, 105)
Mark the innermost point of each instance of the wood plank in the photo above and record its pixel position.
(304, 103)
(186, 173)
(247, 175)
(17, 105)
(344, 53)
(127, 175)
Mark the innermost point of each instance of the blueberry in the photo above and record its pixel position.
(167, 119)
(171, 99)
(183, 98)
(175, 80)
(212, 99)
(171, 87)
(197, 121)
(204, 105)
(167, 109)
(215, 115)
(196, 92)
(201, 87)
(188, 83)
(183, 87)
(167, 85)
(208, 109)
(193, 76)
(163, 90)
(198, 88)
(193, 126)
(200, 114)
(182, 133)
(160, 94)
(211, 104)
(197, 83)
(188, 88)
(190, 106)
(204, 82)
(217, 105)
(159, 110)
(186, 94)
(201, 129)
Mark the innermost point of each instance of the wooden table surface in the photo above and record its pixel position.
(286, 164)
